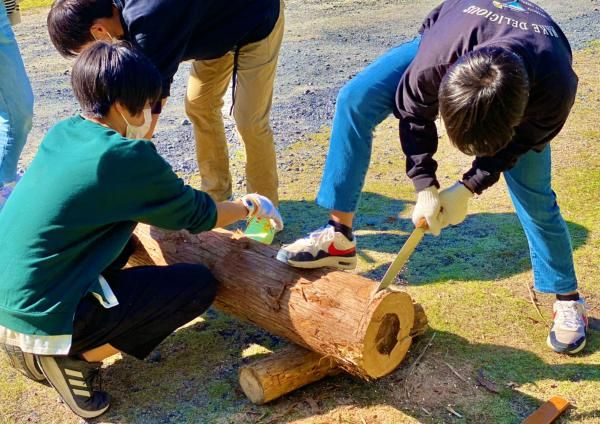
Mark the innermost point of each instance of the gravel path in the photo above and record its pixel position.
(326, 43)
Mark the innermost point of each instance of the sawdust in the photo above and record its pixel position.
(433, 385)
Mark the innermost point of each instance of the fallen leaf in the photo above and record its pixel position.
(489, 385)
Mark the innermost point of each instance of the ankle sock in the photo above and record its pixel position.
(574, 296)
(341, 228)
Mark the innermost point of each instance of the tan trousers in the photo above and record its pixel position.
(207, 85)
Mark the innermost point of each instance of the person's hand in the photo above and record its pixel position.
(260, 207)
(428, 206)
(455, 201)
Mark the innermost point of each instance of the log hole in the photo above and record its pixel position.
(387, 335)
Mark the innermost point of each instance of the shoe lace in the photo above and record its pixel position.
(567, 315)
(323, 234)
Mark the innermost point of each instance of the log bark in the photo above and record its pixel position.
(334, 313)
(294, 367)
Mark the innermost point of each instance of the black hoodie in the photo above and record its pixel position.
(457, 27)
(172, 31)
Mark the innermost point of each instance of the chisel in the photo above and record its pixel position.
(409, 246)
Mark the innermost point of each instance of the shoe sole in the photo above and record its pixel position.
(568, 352)
(332, 261)
(56, 379)
(24, 363)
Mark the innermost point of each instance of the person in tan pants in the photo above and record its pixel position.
(238, 40)
(253, 92)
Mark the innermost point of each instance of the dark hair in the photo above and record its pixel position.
(105, 73)
(69, 23)
(482, 99)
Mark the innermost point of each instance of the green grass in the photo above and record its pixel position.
(30, 4)
(472, 282)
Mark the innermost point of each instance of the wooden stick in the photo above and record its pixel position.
(549, 411)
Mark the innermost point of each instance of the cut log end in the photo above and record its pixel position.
(252, 386)
(294, 367)
(387, 338)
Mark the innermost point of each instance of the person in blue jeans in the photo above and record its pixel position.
(16, 100)
(500, 75)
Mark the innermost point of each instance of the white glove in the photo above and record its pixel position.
(260, 207)
(428, 206)
(455, 201)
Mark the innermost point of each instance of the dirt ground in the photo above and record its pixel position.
(475, 273)
(325, 44)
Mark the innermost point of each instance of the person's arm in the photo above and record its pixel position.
(417, 108)
(141, 186)
(230, 212)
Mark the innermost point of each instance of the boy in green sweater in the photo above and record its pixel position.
(65, 302)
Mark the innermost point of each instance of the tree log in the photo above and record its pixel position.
(334, 313)
(294, 367)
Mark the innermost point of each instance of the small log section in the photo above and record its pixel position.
(294, 367)
(336, 314)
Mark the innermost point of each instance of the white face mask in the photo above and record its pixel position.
(138, 132)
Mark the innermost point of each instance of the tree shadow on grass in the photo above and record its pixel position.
(433, 385)
(486, 246)
(196, 381)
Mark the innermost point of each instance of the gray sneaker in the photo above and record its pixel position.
(23, 362)
(568, 333)
(74, 380)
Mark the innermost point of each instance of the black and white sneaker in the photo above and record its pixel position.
(324, 247)
(74, 381)
(23, 362)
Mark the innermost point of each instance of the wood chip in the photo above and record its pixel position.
(415, 363)
(453, 412)
(534, 302)
(489, 385)
(277, 417)
(455, 372)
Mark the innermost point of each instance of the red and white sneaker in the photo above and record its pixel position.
(321, 248)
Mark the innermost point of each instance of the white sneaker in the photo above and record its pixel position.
(568, 333)
(321, 248)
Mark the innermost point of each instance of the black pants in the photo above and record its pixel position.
(153, 302)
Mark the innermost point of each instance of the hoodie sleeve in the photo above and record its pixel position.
(417, 108)
(145, 189)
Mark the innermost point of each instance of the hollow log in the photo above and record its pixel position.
(294, 367)
(334, 313)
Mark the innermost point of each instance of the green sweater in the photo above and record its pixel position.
(73, 212)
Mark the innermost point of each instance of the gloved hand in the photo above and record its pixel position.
(260, 207)
(455, 201)
(428, 206)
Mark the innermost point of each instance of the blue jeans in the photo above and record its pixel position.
(369, 98)
(16, 101)
(362, 104)
(529, 186)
